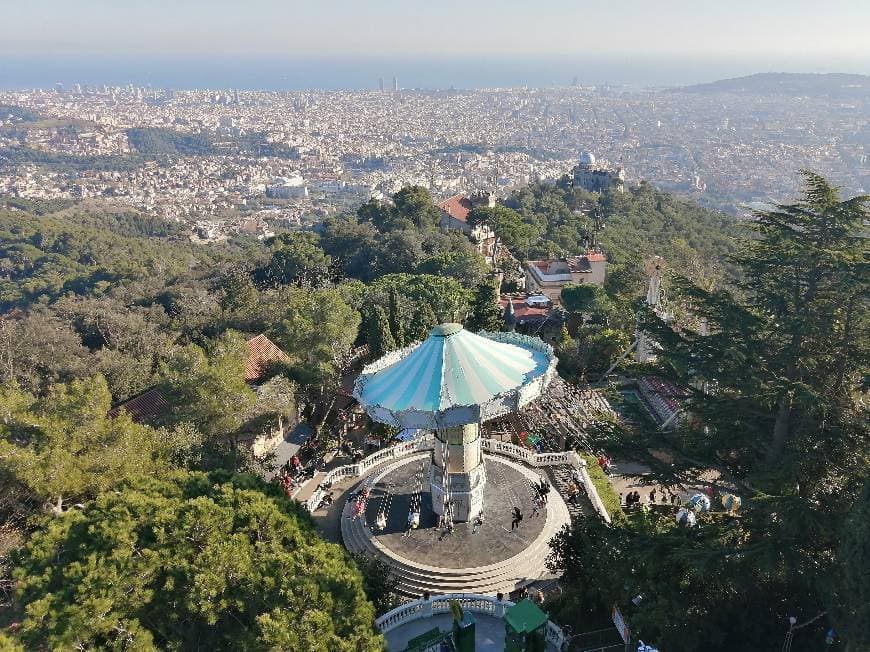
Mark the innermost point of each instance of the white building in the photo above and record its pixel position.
(596, 177)
(548, 277)
(292, 187)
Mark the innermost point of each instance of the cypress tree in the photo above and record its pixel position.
(397, 326)
(380, 338)
(422, 322)
(485, 310)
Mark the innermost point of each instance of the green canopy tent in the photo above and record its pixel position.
(525, 627)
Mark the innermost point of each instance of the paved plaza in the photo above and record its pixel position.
(470, 545)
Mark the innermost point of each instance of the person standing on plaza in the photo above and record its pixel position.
(517, 517)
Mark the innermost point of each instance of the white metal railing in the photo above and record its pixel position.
(473, 602)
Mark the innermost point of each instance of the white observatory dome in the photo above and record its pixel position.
(586, 158)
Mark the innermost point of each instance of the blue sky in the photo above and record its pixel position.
(810, 30)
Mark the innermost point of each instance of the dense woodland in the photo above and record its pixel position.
(99, 305)
(775, 365)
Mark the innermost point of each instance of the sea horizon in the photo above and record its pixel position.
(343, 72)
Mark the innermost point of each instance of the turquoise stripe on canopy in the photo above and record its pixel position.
(458, 369)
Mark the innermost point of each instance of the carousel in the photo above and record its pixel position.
(450, 384)
(452, 512)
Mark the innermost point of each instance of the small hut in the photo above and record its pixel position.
(525, 628)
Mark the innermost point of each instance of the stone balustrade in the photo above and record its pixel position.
(475, 603)
(530, 457)
(427, 442)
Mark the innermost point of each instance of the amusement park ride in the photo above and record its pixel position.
(450, 384)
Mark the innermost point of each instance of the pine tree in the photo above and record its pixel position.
(380, 338)
(485, 309)
(187, 561)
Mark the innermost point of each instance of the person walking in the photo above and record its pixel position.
(572, 493)
(518, 516)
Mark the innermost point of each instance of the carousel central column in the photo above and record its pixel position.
(458, 472)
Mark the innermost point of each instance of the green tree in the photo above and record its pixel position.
(64, 447)
(380, 583)
(238, 293)
(378, 335)
(414, 205)
(586, 299)
(397, 318)
(566, 351)
(508, 226)
(397, 251)
(449, 300)
(297, 259)
(466, 265)
(423, 320)
(208, 388)
(190, 561)
(317, 331)
(353, 245)
(485, 310)
(565, 342)
(378, 214)
(774, 374)
(850, 589)
(597, 348)
(38, 350)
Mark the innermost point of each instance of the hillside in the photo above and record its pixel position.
(834, 85)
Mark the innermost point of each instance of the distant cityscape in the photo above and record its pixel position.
(287, 159)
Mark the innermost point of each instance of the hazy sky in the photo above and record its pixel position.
(809, 29)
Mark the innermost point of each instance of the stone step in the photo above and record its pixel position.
(501, 577)
(412, 580)
(358, 542)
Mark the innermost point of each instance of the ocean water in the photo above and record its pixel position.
(346, 72)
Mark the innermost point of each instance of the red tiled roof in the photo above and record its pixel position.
(596, 257)
(143, 407)
(458, 207)
(524, 311)
(261, 353)
(545, 265)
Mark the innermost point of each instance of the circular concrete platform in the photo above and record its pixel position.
(470, 544)
(483, 558)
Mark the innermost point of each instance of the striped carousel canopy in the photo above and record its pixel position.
(455, 377)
